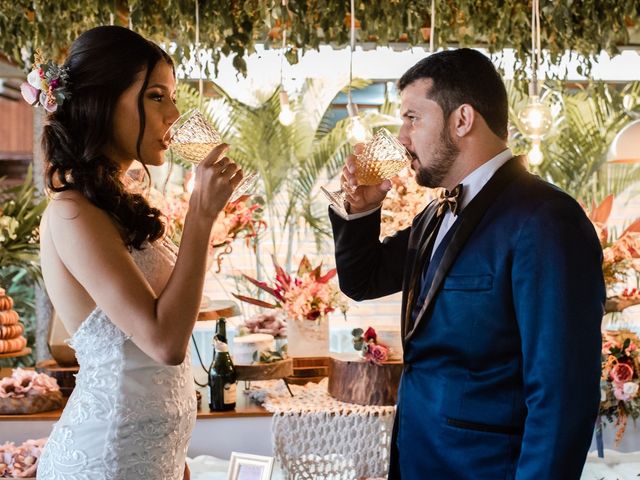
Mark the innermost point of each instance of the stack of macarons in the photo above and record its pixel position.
(11, 330)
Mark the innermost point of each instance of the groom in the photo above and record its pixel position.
(502, 290)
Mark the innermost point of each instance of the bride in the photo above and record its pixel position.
(129, 300)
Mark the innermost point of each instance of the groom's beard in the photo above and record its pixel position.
(442, 158)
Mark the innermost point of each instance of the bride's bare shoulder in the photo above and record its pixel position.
(70, 213)
(72, 205)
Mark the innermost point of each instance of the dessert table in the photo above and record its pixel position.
(245, 429)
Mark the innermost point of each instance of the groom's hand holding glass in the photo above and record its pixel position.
(365, 176)
(361, 198)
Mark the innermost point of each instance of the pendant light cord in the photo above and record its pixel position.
(535, 46)
(432, 35)
(198, 56)
(284, 43)
(352, 44)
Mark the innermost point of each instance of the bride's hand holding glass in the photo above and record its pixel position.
(217, 177)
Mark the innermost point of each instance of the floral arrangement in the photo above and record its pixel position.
(20, 461)
(27, 383)
(46, 84)
(307, 296)
(620, 381)
(241, 218)
(366, 342)
(403, 202)
(620, 256)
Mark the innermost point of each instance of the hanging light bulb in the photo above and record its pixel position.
(357, 131)
(286, 116)
(535, 154)
(536, 118)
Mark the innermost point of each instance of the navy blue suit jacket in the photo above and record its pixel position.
(502, 363)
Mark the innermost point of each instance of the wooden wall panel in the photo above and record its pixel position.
(16, 127)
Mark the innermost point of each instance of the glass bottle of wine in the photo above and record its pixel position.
(222, 379)
(221, 330)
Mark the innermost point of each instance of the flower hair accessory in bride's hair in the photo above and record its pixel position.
(46, 84)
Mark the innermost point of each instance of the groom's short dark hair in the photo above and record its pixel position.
(464, 76)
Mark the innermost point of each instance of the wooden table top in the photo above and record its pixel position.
(245, 407)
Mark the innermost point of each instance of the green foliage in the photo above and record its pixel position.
(585, 27)
(20, 212)
(575, 150)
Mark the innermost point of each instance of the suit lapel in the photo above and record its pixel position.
(468, 220)
(418, 239)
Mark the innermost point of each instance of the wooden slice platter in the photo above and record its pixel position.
(25, 351)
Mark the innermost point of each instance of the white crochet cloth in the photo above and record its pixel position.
(317, 436)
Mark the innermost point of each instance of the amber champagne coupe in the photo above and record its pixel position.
(382, 158)
(192, 141)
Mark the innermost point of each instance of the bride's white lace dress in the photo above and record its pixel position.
(128, 417)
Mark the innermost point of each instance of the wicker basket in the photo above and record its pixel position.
(32, 404)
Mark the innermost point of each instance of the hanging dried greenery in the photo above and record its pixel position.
(233, 27)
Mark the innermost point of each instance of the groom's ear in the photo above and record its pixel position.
(462, 120)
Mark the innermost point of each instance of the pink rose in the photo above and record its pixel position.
(621, 373)
(378, 353)
(626, 391)
(29, 93)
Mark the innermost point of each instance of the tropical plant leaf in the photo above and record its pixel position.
(254, 301)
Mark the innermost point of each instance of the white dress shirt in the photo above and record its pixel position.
(471, 185)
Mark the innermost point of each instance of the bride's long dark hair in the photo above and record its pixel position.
(102, 63)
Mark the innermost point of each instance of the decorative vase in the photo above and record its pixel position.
(307, 338)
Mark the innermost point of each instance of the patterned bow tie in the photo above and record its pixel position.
(450, 199)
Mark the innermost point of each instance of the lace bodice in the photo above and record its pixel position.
(129, 417)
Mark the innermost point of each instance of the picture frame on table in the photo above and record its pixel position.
(245, 466)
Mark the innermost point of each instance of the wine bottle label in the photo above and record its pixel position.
(229, 393)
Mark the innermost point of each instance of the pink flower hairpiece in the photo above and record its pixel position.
(46, 84)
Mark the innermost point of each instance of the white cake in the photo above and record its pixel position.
(389, 336)
(246, 345)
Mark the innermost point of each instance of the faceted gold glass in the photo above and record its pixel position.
(194, 138)
(382, 158)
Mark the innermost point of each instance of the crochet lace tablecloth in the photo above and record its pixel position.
(317, 436)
